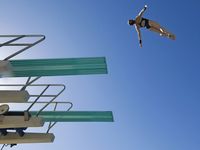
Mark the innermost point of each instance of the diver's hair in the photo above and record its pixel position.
(131, 22)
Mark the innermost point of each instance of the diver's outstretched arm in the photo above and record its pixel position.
(142, 11)
(139, 35)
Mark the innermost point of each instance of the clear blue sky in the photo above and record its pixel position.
(153, 92)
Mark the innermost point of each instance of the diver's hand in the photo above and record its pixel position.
(140, 43)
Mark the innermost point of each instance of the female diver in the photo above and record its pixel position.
(141, 22)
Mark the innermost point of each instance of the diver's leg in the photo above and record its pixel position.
(155, 30)
(154, 24)
(158, 31)
(163, 32)
(169, 34)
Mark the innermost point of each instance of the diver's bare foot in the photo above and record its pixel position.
(171, 37)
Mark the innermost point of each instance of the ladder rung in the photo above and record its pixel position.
(13, 96)
(18, 122)
(14, 138)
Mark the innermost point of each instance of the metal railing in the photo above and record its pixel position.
(15, 38)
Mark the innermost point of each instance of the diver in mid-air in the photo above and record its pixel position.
(141, 22)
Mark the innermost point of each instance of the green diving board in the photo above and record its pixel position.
(53, 67)
(14, 138)
(13, 96)
(75, 116)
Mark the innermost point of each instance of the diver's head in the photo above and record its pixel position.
(131, 22)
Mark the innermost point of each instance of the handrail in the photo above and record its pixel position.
(18, 37)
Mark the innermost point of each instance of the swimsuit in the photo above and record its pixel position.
(145, 24)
